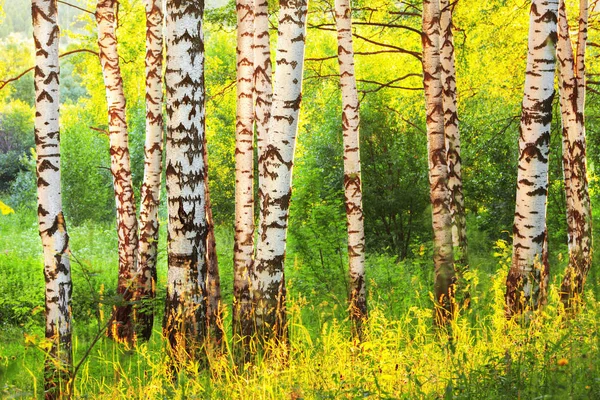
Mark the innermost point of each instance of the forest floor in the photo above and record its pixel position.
(480, 356)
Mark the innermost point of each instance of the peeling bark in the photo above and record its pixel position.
(528, 276)
(52, 228)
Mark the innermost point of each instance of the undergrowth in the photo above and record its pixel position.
(480, 356)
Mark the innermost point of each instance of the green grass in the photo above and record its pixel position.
(481, 356)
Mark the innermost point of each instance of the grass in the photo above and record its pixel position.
(481, 356)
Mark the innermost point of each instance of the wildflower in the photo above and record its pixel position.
(562, 362)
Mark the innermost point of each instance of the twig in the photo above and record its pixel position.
(77, 7)
(22, 74)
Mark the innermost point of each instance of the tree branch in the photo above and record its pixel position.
(3, 83)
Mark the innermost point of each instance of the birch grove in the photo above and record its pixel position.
(185, 308)
(275, 182)
(572, 105)
(352, 175)
(153, 152)
(121, 328)
(438, 169)
(52, 227)
(528, 276)
(244, 171)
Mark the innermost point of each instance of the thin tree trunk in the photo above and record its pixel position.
(244, 173)
(528, 276)
(214, 309)
(185, 308)
(121, 328)
(52, 227)
(352, 175)
(275, 186)
(572, 103)
(457, 202)
(153, 150)
(438, 169)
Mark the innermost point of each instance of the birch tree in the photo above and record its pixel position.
(185, 308)
(528, 276)
(352, 175)
(438, 169)
(153, 151)
(277, 159)
(452, 133)
(121, 329)
(52, 227)
(244, 171)
(572, 105)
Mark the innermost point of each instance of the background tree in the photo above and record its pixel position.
(153, 152)
(438, 169)
(52, 227)
(352, 175)
(528, 276)
(572, 105)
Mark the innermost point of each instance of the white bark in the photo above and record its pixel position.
(277, 161)
(352, 175)
(185, 313)
(244, 169)
(153, 151)
(527, 280)
(52, 228)
(121, 328)
(438, 168)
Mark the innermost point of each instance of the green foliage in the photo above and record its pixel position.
(16, 138)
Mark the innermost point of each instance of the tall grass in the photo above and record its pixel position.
(481, 355)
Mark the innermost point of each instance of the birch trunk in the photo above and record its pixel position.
(121, 328)
(244, 172)
(528, 276)
(153, 150)
(263, 90)
(572, 104)
(457, 202)
(52, 228)
(275, 186)
(185, 308)
(438, 169)
(352, 175)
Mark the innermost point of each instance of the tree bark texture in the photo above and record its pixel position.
(214, 314)
(275, 186)
(244, 172)
(445, 277)
(263, 89)
(528, 276)
(457, 202)
(153, 151)
(185, 308)
(572, 103)
(121, 328)
(52, 227)
(352, 174)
